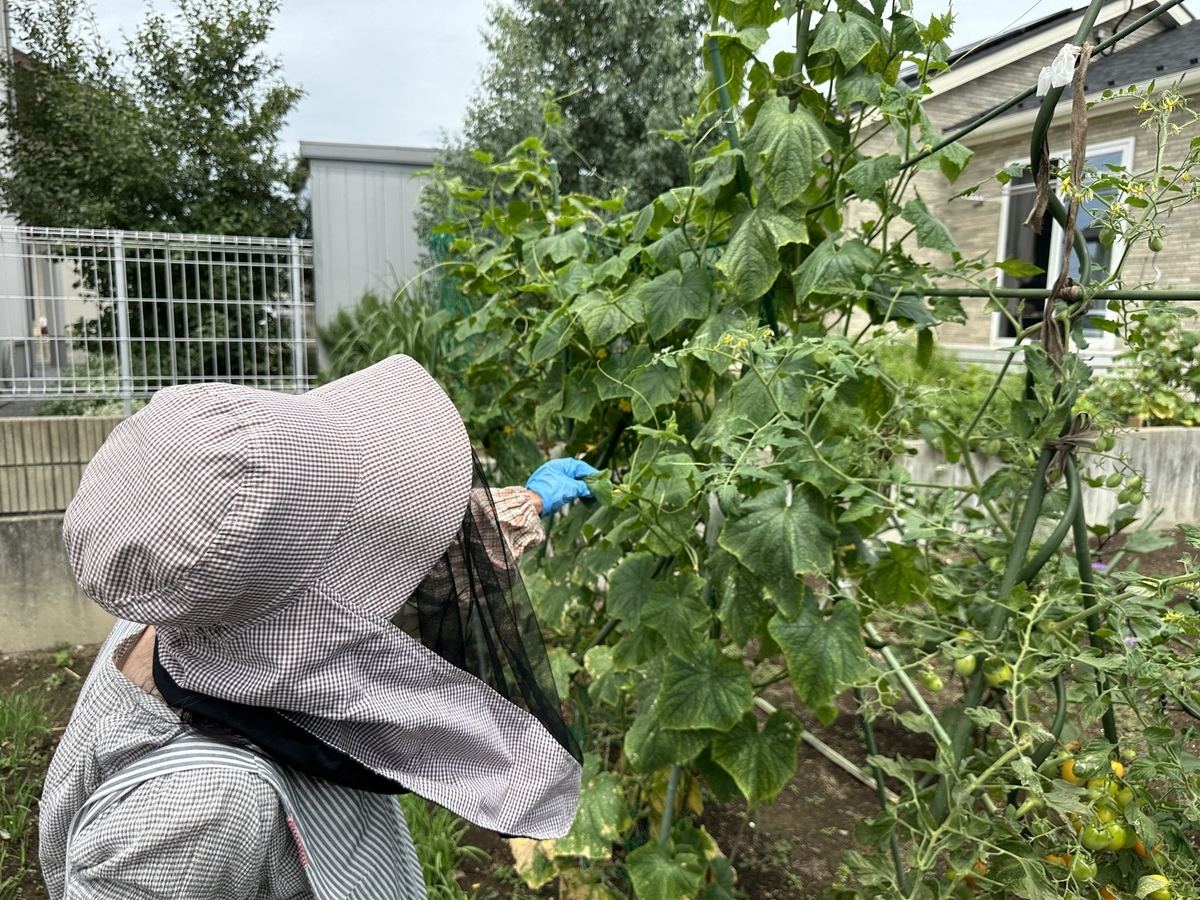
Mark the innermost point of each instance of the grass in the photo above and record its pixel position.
(23, 724)
(437, 834)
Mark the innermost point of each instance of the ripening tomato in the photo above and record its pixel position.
(1155, 887)
(998, 673)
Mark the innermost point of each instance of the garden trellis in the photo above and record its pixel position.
(119, 315)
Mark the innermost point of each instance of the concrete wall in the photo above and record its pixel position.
(1169, 458)
(40, 604)
(364, 234)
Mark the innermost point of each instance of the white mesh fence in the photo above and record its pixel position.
(112, 314)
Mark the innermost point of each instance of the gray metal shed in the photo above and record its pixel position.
(363, 200)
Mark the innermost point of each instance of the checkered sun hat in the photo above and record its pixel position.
(275, 540)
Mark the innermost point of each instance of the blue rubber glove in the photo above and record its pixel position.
(560, 481)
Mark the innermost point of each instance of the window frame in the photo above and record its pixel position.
(1126, 146)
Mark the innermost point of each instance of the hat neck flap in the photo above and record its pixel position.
(473, 610)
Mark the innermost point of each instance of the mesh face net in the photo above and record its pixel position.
(473, 611)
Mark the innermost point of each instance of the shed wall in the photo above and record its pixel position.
(364, 234)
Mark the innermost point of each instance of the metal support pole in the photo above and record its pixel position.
(299, 353)
(123, 341)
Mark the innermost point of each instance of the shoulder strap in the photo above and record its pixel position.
(352, 844)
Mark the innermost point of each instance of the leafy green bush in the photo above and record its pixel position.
(1156, 379)
(747, 361)
(948, 391)
(407, 322)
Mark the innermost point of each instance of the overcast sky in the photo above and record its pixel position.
(401, 71)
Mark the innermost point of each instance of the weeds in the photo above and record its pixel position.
(437, 834)
(22, 750)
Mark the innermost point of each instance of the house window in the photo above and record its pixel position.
(1045, 250)
(1022, 243)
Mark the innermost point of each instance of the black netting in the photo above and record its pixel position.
(473, 611)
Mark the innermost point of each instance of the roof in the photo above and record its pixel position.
(1007, 38)
(380, 153)
(1166, 53)
(977, 60)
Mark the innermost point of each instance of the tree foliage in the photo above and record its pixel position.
(177, 131)
(617, 70)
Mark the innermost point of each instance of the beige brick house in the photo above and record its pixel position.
(988, 223)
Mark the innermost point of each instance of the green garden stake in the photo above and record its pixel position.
(731, 132)
(664, 827)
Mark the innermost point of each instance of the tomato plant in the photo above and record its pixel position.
(718, 353)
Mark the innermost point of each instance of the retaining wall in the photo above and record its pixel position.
(40, 604)
(42, 459)
(1169, 458)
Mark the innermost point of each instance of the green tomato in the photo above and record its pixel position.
(1134, 483)
(1105, 442)
(1156, 244)
(1107, 236)
(1128, 755)
(1136, 497)
(1096, 836)
(1124, 496)
(1113, 480)
(965, 666)
(932, 680)
(1124, 797)
(1119, 836)
(1106, 813)
(992, 447)
(1082, 868)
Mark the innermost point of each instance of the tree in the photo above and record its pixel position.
(618, 70)
(178, 132)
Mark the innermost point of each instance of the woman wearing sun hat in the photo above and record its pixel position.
(318, 607)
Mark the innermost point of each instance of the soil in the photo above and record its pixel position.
(791, 849)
